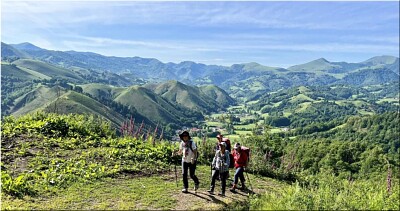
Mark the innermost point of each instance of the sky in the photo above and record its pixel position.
(277, 34)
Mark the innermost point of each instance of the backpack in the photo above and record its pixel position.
(228, 143)
(231, 161)
(245, 150)
(190, 147)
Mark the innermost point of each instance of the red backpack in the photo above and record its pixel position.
(247, 151)
(231, 158)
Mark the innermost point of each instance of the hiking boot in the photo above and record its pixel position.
(221, 194)
(243, 187)
(185, 190)
(196, 187)
(211, 191)
(233, 189)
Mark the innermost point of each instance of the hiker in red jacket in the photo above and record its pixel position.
(241, 159)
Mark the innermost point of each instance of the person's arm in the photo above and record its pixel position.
(194, 147)
(179, 152)
(227, 159)
(214, 159)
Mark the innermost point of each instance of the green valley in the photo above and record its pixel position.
(323, 135)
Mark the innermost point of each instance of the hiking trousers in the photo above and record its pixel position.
(239, 175)
(192, 169)
(224, 176)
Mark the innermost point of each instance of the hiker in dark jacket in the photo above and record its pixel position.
(188, 149)
(220, 165)
(240, 159)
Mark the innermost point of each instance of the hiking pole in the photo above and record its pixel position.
(248, 178)
(176, 176)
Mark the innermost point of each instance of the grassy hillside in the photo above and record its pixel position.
(102, 90)
(47, 69)
(150, 105)
(76, 103)
(192, 97)
(36, 100)
(219, 95)
(10, 70)
(59, 100)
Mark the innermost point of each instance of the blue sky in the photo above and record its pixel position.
(270, 33)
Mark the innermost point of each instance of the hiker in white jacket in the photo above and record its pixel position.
(220, 164)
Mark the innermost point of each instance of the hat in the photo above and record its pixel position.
(184, 133)
(223, 144)
(237, 145)
(219, 136)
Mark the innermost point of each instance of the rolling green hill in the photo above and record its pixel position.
(218, 94)
(73, 102)
(169, 102)
(150, 105)
(204, 99)
(11, 70)
(239, 80)
(59, 100)
(48, 70)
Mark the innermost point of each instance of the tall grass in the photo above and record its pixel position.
(333, 194)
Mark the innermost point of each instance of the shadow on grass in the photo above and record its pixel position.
(210, 198)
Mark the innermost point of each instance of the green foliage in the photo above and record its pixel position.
(19, 186)
(332, 193)
(63, 149)
(54, 125)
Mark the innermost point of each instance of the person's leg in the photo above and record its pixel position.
(224, 176)
(236, 176)
(241, 176)
(214, 177)
(192, 168)
(185, 167)
(235, 179)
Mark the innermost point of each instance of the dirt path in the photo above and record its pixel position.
(202, 200)
(130, 192)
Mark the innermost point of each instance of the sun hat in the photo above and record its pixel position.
(184, 133)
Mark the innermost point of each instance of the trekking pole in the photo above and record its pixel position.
(176, 174)
(248, 178)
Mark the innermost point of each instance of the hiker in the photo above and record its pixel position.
(240, 158)
(188, 150)
(221, 138)
(220, 165)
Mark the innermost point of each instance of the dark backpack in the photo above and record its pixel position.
(231, 161)
(228, 143)
(190, 147)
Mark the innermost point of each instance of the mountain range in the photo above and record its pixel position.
(237, 79)
(35, 79)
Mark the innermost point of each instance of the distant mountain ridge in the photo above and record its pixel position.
(239, 80)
